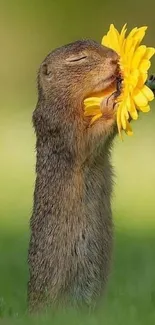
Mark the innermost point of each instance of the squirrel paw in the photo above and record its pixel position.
(108, 104)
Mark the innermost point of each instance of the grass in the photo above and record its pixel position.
(130, 297)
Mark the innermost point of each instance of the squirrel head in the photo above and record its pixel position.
(66, 77)
(77, 70)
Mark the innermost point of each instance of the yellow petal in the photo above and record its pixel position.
(92, 101)
(142, 79)
(130, 54)
(139, 53)
(105, 41)
(139, 34)
(128, 129)
(133, 112)
(148, 93)
(128, 46)
(114, 30)
(123, 117)
(122, 35)
(96, 117)
(132, 33)
(144, 109)
(119, 117)
(112, 39)
(132, 109)
(139, 98)
(150, 51)
(133, 78)
(93, 110)
(144, 65)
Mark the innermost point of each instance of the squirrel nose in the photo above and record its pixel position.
(113, 57)
(112, 61)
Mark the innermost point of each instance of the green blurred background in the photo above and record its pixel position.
(29, 30)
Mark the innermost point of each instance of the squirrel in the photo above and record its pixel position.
(71, 226)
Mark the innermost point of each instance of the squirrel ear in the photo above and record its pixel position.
(45, 70)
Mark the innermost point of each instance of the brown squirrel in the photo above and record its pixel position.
(71, 225)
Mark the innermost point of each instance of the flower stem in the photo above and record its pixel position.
(150, 82)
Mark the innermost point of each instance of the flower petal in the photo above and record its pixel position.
(128, 129)
(128, 46)
(133, 78)
(139, 53)
(132, 108)
(148, 93)
(93, 110)
(139, 34)
(132, 33)
(144, 65)
(105, 41)
(124, 113)
(142, 79)
(92, 101)
(112, 38)
(122, 35)
(144, 109)
(96, 117)
(139, 98)
(119, 119)
(150, 51)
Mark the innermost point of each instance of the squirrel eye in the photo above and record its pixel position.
(76, 58)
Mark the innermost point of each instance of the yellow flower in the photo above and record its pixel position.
(134, 65)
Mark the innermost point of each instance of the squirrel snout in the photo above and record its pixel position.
(113, 61)
(112, 57)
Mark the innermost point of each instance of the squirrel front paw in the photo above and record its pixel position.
(109, 102)
(108, 105)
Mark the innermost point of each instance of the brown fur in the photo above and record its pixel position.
(71, 225)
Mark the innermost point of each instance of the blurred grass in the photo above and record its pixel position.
(28, 31)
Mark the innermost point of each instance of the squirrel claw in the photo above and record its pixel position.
(109, 103)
